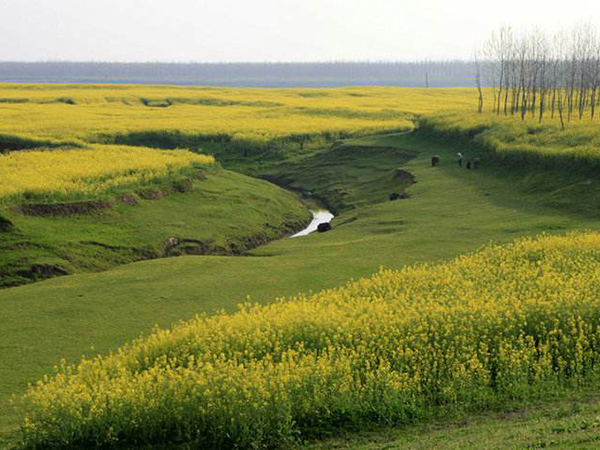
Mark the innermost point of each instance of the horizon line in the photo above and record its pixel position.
(383, 61)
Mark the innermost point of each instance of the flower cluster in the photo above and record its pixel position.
(88, 172)
(98, 113)
(509, 322)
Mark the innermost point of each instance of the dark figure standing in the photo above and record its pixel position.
(460, 159)
(469, 165)
(435, 160)
(476, 162)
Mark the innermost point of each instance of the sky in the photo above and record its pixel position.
(268, 30)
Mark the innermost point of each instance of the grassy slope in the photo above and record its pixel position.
(524, 143)
(346, 176)
(567, 424)
(451, 211)
(563, 424)
(225, 212)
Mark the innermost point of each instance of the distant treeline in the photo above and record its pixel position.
(407, 74)
(534, 73)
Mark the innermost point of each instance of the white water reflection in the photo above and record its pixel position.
(318, 217)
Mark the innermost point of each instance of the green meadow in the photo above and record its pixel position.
(86, 272)
(450, 211)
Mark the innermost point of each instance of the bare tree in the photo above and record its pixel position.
(478, 82)
(531, 73)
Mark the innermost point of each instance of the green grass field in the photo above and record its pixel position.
(450, 211)
(570, 423)
(225, 213)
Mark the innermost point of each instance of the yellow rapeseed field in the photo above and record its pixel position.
(87, 172)
(93, 112)
(505, 323)
(524, 142)
(62, 116)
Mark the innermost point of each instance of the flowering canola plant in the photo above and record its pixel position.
(92, 116)
(88, 172)
(508, 322)
(100, 112)
(521, 143)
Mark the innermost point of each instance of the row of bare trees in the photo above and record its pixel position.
(537, 75)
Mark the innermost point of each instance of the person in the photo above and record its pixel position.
(435, 160)
(476, 162)
(460, 159)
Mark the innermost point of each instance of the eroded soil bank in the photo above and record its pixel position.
(217, 213)
(450, 211)
(224, 213)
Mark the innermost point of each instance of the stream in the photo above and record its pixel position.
(319, 216)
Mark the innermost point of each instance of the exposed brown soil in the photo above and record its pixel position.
(129, 200)
(175, 246)
(199, 175)
(112, 255)
(150, 193)
(6, 225)
(92, 206)
(66, 208)
(404, 177)
(39, 272)
(182, 186)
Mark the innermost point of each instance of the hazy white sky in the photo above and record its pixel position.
(267, 30)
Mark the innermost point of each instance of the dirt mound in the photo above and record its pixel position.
(175, 246)
(76, 208)
(90, 206)
(404, 177)
(150, 193)
(37, 272)
(65, 209)
(6, 225)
